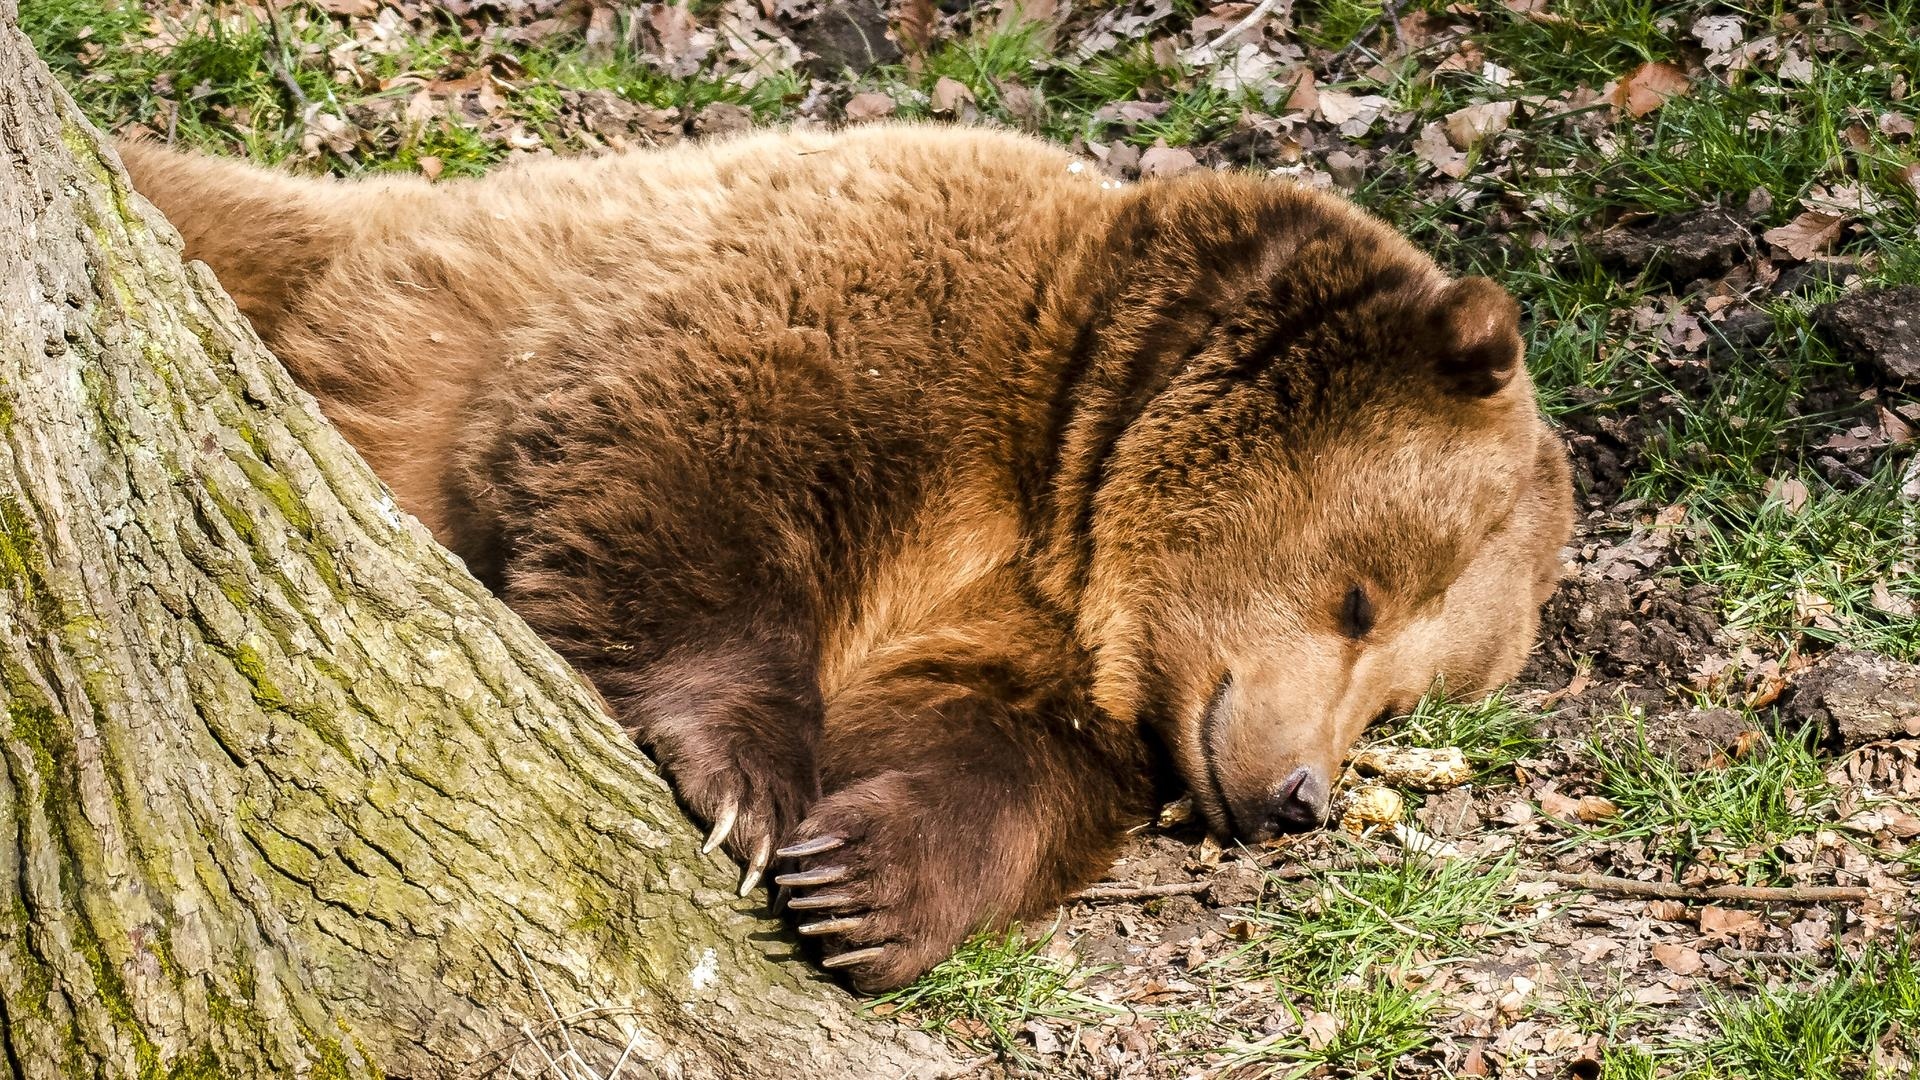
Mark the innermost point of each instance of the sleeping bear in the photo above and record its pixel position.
(925, 504)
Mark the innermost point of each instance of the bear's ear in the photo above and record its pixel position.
(1476, 336)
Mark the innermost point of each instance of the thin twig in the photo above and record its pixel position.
(480, 1066)
(632, 1041)
(1260, 11)
(277, 60)
(566, 1036)
(1143, 892)
(1661, 890)
(540, 1046)
(1778, 956)
(969, 1067)
(1113, 890)
(1389, 16)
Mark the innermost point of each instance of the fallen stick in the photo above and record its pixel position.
(1602, 883)
(1108, 890)
(1142, 892)
(1773, 956)
(1662, 890)
(1260, 11)
(277, 62)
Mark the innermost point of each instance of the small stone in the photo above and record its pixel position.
(1701, 244)
(1857, 697)
(721, 118)
(845, 37)
(1878, 328)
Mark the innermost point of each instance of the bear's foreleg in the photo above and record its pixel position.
(728, 705)
(960, 793)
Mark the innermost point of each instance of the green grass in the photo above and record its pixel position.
(1827, 1031)
(1376, 1026)
(1819, 1026)
(1776, 565)
(1735, 815)
(1491, 731)
(1353, 943)
(225, 94)
(988, 990)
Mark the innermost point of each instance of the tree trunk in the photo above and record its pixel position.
(283, 790)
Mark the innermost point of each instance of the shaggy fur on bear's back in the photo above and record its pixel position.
(922, 501)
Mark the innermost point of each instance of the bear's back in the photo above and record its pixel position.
(903, 257)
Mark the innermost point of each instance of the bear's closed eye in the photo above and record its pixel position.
(1356, 613)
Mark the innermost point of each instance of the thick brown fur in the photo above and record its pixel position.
(919, 496)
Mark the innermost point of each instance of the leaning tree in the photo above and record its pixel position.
(283, 791)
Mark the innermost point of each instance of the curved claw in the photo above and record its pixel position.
(757, 867)
(857, 956)
(831, 926)
(810, 847)
(722, 825)
(825, 875)
(819, 900)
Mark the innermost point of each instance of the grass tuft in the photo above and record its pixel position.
(991, 987)
(1737, 813)
(1493, 732)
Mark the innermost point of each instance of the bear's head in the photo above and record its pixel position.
(1305, 480)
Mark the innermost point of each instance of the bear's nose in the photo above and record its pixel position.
(1298, 804)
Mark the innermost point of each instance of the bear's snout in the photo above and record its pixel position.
(1298, 804)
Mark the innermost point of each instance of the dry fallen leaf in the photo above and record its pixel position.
(1894, 426)
(1655, 995)
(870, 106)
(1420, 843)
(1320, 1029)
(1811, 608)
(1304, 95)
(429, 166)
(913, 24)
(1166, 161)
(1791, 492)
(1592, 950)
(1667, 910)
(1726, 922)
(1337, 108)
(1719, 34)
(1593, 808)
(1434, 148)
(1888, 602)
(1468, 127)
(1805, 236)
(1648, 87)
(1902, 825)
(1554, 804)
(949, 94)
(1677, 958)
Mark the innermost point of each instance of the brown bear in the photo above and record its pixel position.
(926, 504)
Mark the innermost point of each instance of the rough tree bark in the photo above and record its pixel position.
(283, 790)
